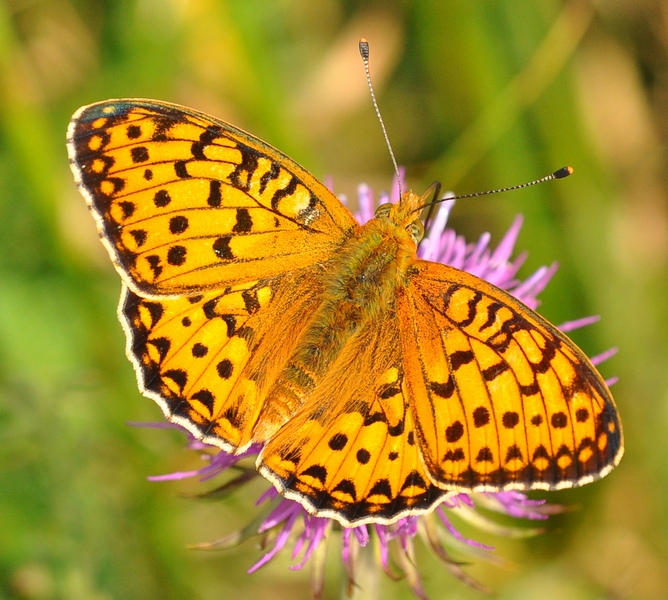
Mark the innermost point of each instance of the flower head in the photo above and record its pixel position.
(288, 527)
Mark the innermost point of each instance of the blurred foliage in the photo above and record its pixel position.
(476, 93)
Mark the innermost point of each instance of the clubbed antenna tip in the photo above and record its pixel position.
(563, 172)
(364, 49)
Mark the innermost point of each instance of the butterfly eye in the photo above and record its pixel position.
(416, 230)
(384, 210)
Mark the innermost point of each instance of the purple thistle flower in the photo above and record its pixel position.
(286, 522)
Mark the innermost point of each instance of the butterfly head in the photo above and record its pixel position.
(403, 214)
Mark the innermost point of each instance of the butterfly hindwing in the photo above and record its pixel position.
(185, 202)
(351, 453)
(502, 399)
(208, 359)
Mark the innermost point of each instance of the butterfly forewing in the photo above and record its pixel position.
(186, 203)
(502, 399)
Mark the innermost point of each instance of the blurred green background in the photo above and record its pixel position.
(475, 93)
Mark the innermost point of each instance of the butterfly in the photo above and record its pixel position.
(257, 310)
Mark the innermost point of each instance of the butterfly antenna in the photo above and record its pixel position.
(558, 174)
(435, 190)
(364, 53)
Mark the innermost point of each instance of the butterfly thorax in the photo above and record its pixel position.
(370, 266)
(360, 287)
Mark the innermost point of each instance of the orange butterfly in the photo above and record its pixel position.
(257, 310)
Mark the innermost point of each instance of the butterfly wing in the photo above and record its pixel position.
(187, 203)
(501, 399)
(456, 387)
(351, 453)
(220, 240)
(209, 359)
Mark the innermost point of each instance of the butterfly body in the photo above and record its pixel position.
(257, 310)
(359, 288)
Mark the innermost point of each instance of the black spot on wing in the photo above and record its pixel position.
(162, 345)
(242, 175)
(346, 486)
(363, 456)
(133, 132)
(225, 368)
(481, 416)
(161, 198)
(178, 376)
(389, 390)
(244, 223)
(270, 175)
(139, 154)
(338, 441)
(178, 224)
(444, 390)
(414, 479)
(221, 248)
(128, 208)
(288, 190)
(176, 256)
(381, 487)
(454, 432)
(251, 302)
(199, 350)
(510, 419)
(215, 197)
(181, 169)
(485, 455)
(140, 236)
(460, 358)
(559, 420)
(492, 372)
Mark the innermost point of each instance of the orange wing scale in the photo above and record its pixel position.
(207, 360)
